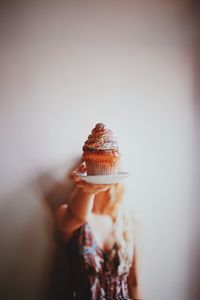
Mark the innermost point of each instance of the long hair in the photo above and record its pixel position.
(123, 226)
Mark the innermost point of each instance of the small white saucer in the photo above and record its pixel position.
(104, 179)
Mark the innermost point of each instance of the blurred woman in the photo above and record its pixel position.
(101, 239)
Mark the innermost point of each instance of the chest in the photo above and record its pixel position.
(103, 231)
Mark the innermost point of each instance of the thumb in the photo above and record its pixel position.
(82, 168)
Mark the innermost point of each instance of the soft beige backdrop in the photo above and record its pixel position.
(66, 65)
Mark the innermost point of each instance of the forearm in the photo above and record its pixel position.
(71, 216)
(81, 204)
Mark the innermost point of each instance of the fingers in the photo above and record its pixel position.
(85, 186)
(82, 167)
(74, 176)
(92, 188)
(93, 185)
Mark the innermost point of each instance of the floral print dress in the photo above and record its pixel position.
(94, 272)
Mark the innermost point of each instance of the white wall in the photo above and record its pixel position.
(65, 67)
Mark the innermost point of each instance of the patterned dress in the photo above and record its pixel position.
(93, 272)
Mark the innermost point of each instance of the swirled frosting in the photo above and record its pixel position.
(101, 138)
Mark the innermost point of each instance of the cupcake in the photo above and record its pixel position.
(100, 152)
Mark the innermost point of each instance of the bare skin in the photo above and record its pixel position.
(87, 204)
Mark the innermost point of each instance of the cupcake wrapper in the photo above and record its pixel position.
(101, 168)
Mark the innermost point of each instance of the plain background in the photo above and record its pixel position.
(67, 65)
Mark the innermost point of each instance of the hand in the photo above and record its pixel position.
(81, 168)
(91, 188)
(86, 187)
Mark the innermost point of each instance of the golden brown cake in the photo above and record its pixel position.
(100, 152)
